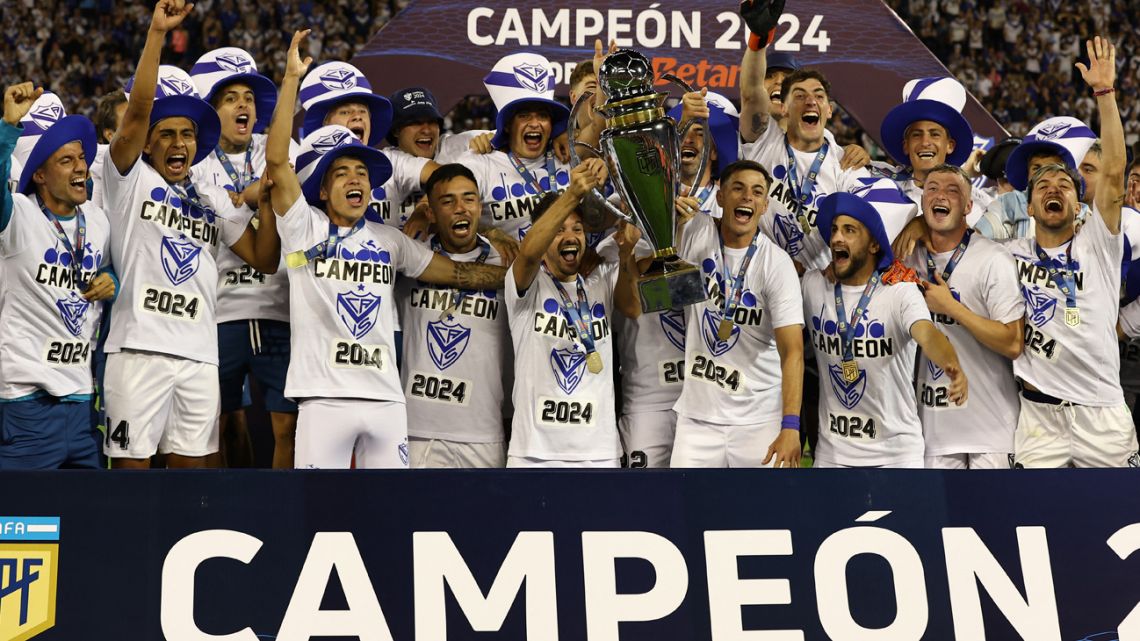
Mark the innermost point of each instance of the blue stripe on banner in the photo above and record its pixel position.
(29, 528)
(921, 86)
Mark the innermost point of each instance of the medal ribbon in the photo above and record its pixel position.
(576, 315)
(235, 179)
(529, 177)
(847, 329)
(75, 251)
(931, 268)
(734, 287)
(1062, 278)
(484, 251)
(803, 191)
(325, 248)
(190, 198)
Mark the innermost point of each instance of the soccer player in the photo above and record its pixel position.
(161, 379)
(560, 324)
(928, 130)
(972, 291)
(740, 401)
(864, 332)
(342, 272)
(457, 349)
(108, 116)
(54, 255)
(1072, 406)
(1132, 196)
(253, 308)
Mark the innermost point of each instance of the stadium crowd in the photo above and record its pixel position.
(787, 291)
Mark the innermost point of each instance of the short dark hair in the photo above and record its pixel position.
(583, 69)
(1128, 169)
(542, 206)
(801, 75)
(105, 113)
(745, 165)
(1041, 172)
(447, 173)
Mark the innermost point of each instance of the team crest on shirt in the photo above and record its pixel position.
(73, 309)
(533, 77)
(234, 62)
(673, 325)
(338, 79)
(179, 259)
(176, 86)
(46, 115)
(446, 342)
(849, 394)
(569, 366)
(789, 235)
(935, 371)
(1042, 307)
(358, 310)
(709, 326)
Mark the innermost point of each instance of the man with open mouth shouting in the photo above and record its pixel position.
(341, 284)
(167, 228)
(561, 327)
(864, 333)
(1072, 406)
(740, 400)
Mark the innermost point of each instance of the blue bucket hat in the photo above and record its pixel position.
(175, 96)
(225, 66)
(724, 122)
(65, 130)
(321, 147)
(523, 80)
(335, 83)
(939, 100)
(873, 202)
(1064, 136)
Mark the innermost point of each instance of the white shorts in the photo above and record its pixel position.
(647, 438)
(160, 404)
(984, 461)
(526, 461)
(703, 444)
(427, 453)
(1066, 435)
(331, 430)
(907, 464)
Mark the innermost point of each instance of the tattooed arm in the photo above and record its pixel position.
(444, 271)
(754, 102)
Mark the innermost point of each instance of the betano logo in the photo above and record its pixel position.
(29, 560)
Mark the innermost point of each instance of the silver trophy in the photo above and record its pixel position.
(641, 147)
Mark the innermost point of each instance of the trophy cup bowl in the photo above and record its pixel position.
(641, 148)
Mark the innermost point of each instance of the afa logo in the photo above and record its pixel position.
(338, 78)
(789, 235)
(358, 311)
(446, 342)
(710, 325)
(849, 394)
(1041, 306)
(673, 325)
(29, 565)
(180, 259)
(73, 309)
(234, 63)
(534, 77)
(569, 366)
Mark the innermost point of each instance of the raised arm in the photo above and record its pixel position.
(18, 100)
(261, 248)
(286, 186)
(1101, 77)
(627, 298)
(939, 350)
(591, 173)
(130, 138)
(761, 16)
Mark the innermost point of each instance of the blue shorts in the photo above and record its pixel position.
(45, 434)
(268, 363)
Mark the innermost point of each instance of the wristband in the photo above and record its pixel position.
(1098, 93)
(790, 422)
(756, 43)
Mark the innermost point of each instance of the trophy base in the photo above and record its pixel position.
(668, 283)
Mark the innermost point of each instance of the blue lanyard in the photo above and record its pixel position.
(959, 251)
(75, 251)
(847, 328)
(803, 191)
(235, 179)
(190, 198)
(703, 195)
(578, 316)
(529, 177)
(459, 294)
(1062, 278)
(326, 248)
(734, 287)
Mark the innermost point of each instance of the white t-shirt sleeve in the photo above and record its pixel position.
(1109, 248)
(15, 237)
(406, 170)
(299, 228)
(413, 257)
(518, 302)
(1004, 302)
(782, 291)
(1130, 319)
(118, 188)
(911, 307)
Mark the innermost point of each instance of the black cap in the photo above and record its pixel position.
(413, 104)
(993, 162)
(782, 60)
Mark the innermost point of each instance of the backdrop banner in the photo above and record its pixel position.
(865, 50)
(668, 555)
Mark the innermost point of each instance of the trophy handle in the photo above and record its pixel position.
(572, 130)
(703, 122)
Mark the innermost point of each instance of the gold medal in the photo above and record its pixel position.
(805, 224)
(1072, 316)
(594, 362)
(296, 259)
(850, 371)
(724, 330)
